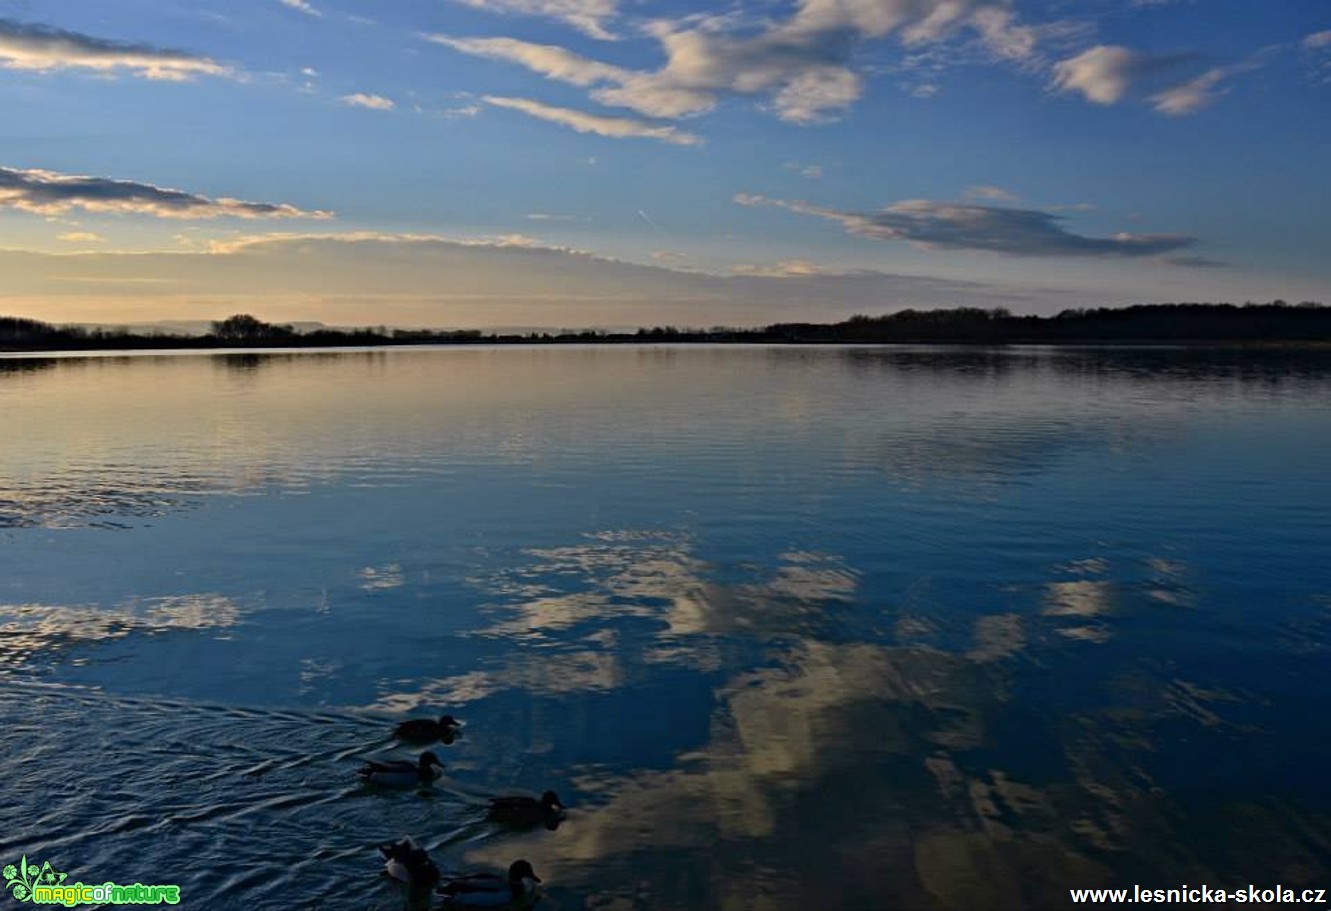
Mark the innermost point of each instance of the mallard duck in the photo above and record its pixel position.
(488, 890)
(409, 863)
(400, 773)
(527, 811)
(426, 730)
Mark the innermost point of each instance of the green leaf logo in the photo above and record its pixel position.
(21, 880)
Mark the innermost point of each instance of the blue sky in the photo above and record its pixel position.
(579, 162)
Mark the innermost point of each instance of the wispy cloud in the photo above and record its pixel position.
(1318, 40)
(48, 193)
(802, 65)
(1108, 74)
(454, 113)
(786, 268)
(1197, 93)
(80, 237)
(40, 48)
(588, 16)
(998, 194)
(962, 226)
(1105, 74)
(548, 60)
(373, 102)
(303, 6)
(583, 122)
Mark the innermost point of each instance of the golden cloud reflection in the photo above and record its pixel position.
(655, 575)
(1082, 600)
(1169, 582)
(997, 636)
(27, 630)
(565, 605)
(381, 578)
(886, 773)
(881, 736)
(544, 674)
(857, 775)
(1078, 599)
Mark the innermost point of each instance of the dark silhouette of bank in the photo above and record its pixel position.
(1274, 323)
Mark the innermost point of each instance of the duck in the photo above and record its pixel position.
(427, 730)
(400, 773)
(489, 890)
(527, 811)
(408, 863)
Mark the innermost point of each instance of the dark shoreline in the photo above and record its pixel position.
(1257, 326)
(176, 345)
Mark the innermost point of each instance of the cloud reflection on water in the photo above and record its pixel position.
(843, 773)
(30, 631)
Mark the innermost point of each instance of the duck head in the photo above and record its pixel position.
(448, 721)
(520, 870)
(550, 800)
(428, 759)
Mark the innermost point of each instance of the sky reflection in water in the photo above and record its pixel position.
(788, 628)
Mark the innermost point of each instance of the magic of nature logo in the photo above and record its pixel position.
(42, 884)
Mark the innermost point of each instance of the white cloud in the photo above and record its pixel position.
(549, 60)
(1318, 40)
(1104, 74)
(997, 194)
(967, 226)
(802, 65)
(818, 94)
(588, 16)
(1108, 74)
(303, 6)
(583, 122)
(1195, 94)
(80, 237)
(48, 193)
(40, 48)
(373, 102)
(1188, 97)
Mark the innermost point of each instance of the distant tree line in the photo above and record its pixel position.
(1276, 322)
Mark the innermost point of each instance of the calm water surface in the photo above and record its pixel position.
(787, 628)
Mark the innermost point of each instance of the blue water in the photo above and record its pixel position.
(785, 627)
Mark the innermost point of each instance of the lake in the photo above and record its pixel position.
(785, 627)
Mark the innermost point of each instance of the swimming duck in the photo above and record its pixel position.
(400, 773)
(409, 863)
(488, 890)
(426, 730)
(527, 811)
